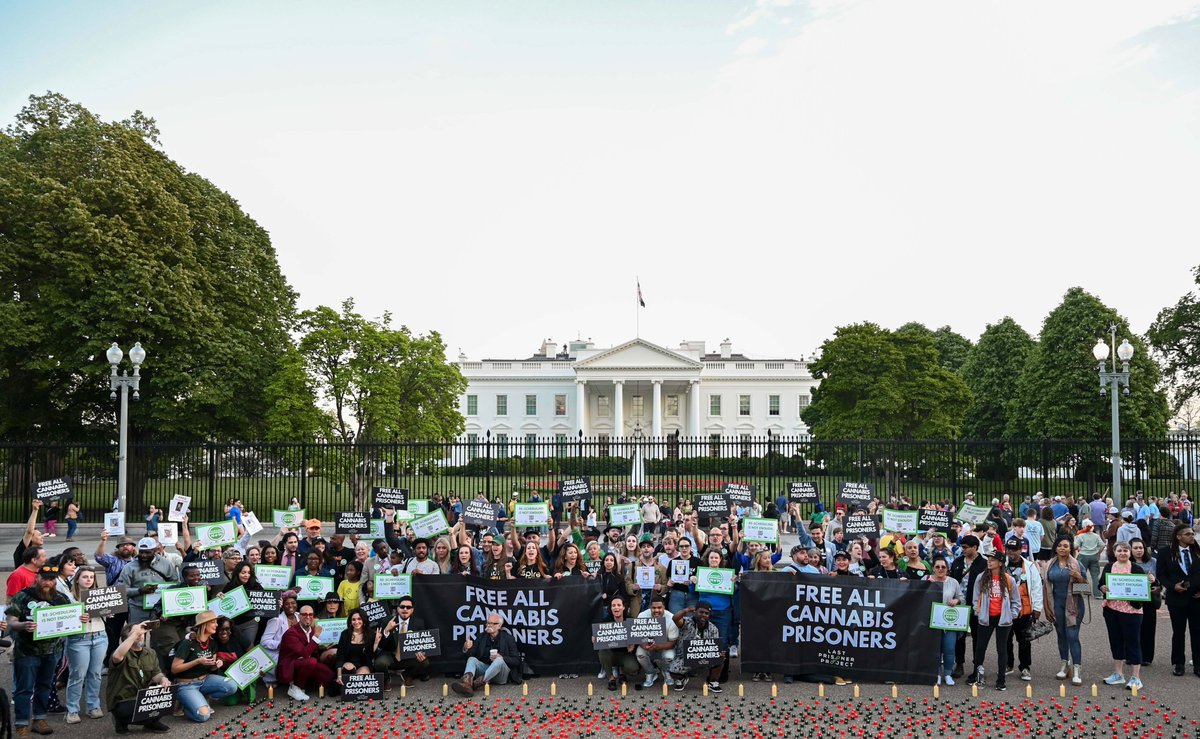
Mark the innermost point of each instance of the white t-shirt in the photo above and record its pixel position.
(672, 629)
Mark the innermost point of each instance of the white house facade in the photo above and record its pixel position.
(633, 389)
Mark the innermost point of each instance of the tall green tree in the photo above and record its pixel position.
(1058, 393)
(380, 384)
(878, 384)
(1175, 337)
(952, 347)
(104, 238)
(991, 370)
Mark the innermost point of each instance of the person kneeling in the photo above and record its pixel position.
(133, 668)
(493, 659)
(197, 668)
(696, 626)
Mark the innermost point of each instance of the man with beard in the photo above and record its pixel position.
(34, 660)
(134, 667)
(695, 626)
(141, 579)
(656, 658)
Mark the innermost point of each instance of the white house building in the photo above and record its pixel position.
(635, 388)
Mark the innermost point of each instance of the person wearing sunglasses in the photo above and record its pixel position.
(952, 595)
(390, 655)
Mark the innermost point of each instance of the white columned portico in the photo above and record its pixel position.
(694, 408)
(581, 406)
(618, 409)
(656, 409)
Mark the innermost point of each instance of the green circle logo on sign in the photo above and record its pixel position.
(714, 579)
(314, 586)
(214, 532)
(184, 600)
(227, 604)
(249, 664)
(950, 616)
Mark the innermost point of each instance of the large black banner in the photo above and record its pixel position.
(550, 621)
(843, 626)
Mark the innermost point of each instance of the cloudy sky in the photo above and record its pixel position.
(504, 172)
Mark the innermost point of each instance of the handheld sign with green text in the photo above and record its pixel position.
(231, 604)
(273, 577)
(763, 530)
(949, 618)
(331, 630)
(1130, 587)
(184, 601)
(57, 621)
(624, 514)
(287, 519)
(971, 513)
(714, 580)
(430, 525)
(903, 522)
(246, 669)
(213, 535)
(392, 587)
(310, 587)
(530, 514)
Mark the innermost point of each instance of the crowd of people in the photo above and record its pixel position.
(1025, 573)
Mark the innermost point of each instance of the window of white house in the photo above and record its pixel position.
(501, 405)
(502, 446)
(530, 445)
(531, 405)
(602, 445)
(714, 405)
(805, 399)
(673, 406)
(772, 405)
(560, 405)
(745, 445)
(472, 446)
(638, 406)
(472, 405)
(743, 405)
(560, 445)
(714, 445)
(603, 406)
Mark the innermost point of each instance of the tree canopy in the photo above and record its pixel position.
(1058, 392)
(879, 384)
(1175, 336)
(952, 347)
(991, 370)
(104, 238)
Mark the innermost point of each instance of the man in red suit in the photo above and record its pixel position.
(299, 653)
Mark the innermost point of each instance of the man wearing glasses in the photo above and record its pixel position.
(410, 668)
(492, 659)
(298, 657)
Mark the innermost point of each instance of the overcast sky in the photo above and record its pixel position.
(503, 171)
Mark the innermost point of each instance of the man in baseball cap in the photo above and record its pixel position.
(34, 661)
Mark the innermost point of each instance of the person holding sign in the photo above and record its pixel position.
(133, 667)
(654, 657)
(693, 623)
(197, 669)
(85, 653)
(357, 647)
(1124, 622)
(142, 577)
(33, 659)
(246, 624)
(230, 648)
(646, 577)
(619, 663)
(390, 653)
(952, 595)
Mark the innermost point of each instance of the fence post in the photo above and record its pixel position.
(395, 462)
(211, 449)
(1138, 467)
(487, 457)
(678, 483)
(770, 472)
(1045, 467)
(303, 471)
(860, 459)
(954, 470)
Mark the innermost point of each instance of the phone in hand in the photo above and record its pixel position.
(152, 624)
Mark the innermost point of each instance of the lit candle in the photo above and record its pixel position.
(742, 690)
(821, 689)
(855, 690)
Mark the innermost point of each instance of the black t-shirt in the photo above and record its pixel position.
(190, 649)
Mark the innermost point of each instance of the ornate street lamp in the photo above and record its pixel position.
(124, 383)
(1114, 380)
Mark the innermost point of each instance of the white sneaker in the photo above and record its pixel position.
(939, 682)
(601, 675)
(295, 693)
(1115, 679)
(73, 718)
(949, 680)
(649, 682)
(733, 652)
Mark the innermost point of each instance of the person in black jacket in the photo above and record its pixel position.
(357, 647)
(389, 656)
(493, 658)
(1179, 573)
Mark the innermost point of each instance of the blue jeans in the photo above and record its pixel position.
(85, 655)
(677, 601)
(723, 620)
(33, 681)
(72, 524)
(193, 696)
(495, 672)
(949, 642)
(1068, 638)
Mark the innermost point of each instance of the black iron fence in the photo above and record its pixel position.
(325, 478)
